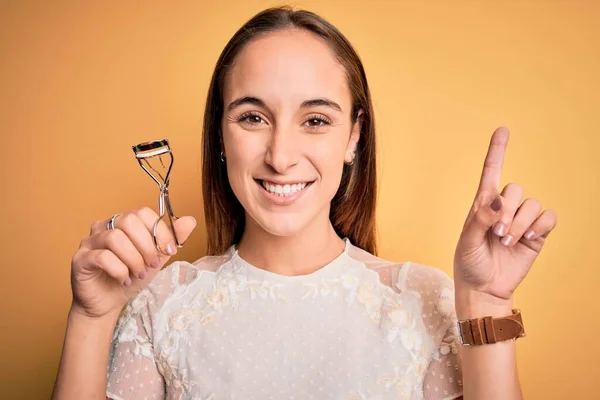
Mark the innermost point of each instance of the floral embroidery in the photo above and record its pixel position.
(225, 292)
(265, 289)
(406, 381)
(129, 333)
(353, 289)
(403, 324)
(449, 343)
(368, 295)
(402, 343)
(446, 303)
(324, 288)
(177, 380)
(127, 329)
(133, 308)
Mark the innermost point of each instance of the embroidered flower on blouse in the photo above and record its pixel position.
(143, 347)
(350, 284)
(129, 333)
(177, 380)
(411, 338)
(448, 345)
(129, 330)
(134, 307)
(404, 324)
(406, 382)
(324, 288)
(371, 299)
(446, 302)
(265, 289)
(217, 298)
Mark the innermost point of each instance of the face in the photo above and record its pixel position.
(287, 130)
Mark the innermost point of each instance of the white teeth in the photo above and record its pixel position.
(283, 190)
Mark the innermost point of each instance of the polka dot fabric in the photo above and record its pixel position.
(359, 328)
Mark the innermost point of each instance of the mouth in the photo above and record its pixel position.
(284, 190)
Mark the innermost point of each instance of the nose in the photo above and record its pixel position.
(282, 151)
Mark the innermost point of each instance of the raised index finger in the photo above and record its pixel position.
(492, 167)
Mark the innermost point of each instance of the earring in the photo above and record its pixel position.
(222, 159)
(353, 156)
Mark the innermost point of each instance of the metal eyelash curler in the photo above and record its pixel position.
(150, 150)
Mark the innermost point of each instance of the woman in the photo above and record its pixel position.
(292, 302)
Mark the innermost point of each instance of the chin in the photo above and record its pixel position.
(282, 224)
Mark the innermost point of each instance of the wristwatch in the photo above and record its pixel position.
(487, 330)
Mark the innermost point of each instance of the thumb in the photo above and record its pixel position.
(184, 227)
(484, 218)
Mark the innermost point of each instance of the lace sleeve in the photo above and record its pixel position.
(443, 378)
(133, 372)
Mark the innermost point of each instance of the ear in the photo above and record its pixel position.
(354, 138)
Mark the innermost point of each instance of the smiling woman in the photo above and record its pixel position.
(292, 300)
(289, 103)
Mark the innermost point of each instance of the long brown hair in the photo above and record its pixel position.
(353, 207)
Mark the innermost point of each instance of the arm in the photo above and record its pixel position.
(82, 369)
(490, 370)
(501, 238)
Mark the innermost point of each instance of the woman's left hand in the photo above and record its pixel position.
(495, 250)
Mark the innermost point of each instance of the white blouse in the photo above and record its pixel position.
(359, 328)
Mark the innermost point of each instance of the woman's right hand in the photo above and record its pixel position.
(111, 266)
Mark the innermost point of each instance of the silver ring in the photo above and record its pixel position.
(111, 222)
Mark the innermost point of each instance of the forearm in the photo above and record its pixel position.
(489, 370)
(82, 369)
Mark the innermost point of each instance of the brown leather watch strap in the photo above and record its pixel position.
(486, 330)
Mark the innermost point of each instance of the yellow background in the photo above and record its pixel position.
(80, 82)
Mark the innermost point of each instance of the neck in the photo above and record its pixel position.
(303, 253)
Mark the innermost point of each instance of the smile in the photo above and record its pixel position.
(284, 190)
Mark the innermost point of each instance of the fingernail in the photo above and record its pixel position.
(507, 240)
(127, 282)
(170, 249)
(529, 235)
(496, 204)
(142, 275)
(500, 228)
(156, 263)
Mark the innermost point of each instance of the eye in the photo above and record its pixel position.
(251, 118)
(317, 121)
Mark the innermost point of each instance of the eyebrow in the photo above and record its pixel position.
(321, 102)
(305, 104)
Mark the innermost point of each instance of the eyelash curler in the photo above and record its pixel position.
(151, 150)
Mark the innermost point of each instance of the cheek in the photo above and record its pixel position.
(329, 160)
(241, 154)
(242, 148)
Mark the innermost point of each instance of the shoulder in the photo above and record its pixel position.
(174, 279)
(183, 273)
(432, 285)
(405, 275)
